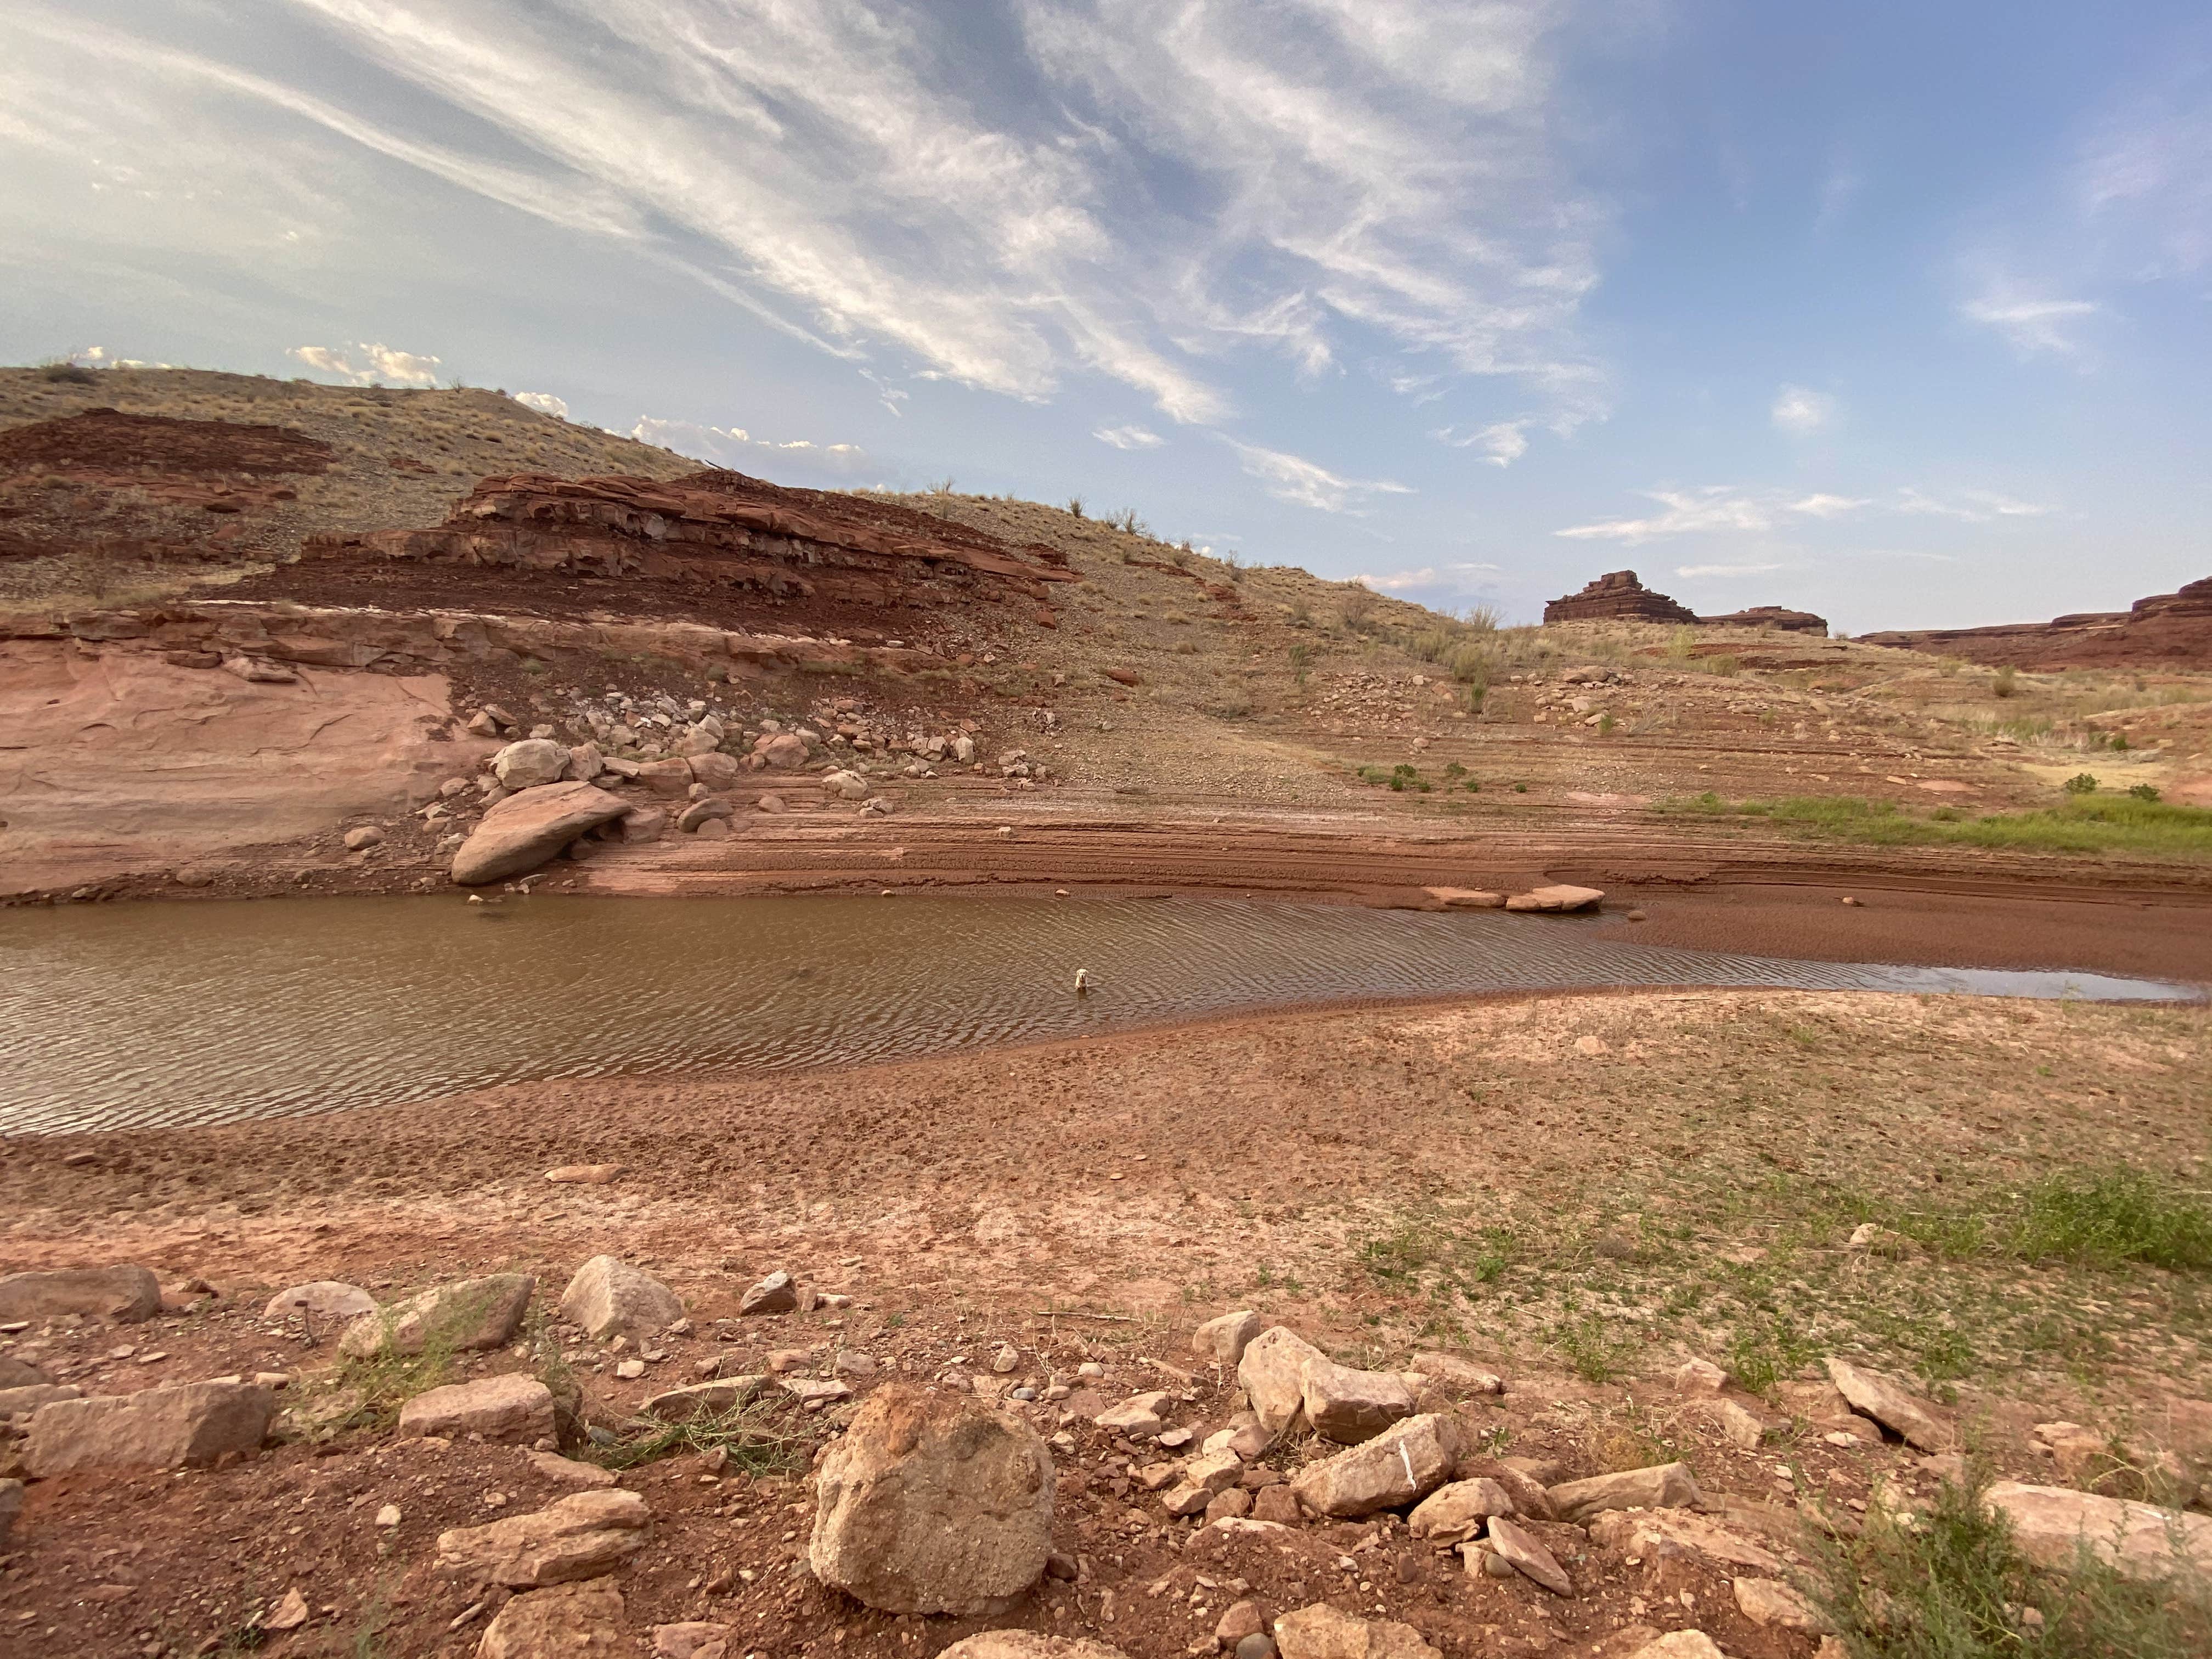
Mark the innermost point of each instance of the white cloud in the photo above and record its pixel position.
(374, 365)
(1446, 577)
(1973, 506)
(1821, 505)
(2144, 177)
(1727, 569)
(1128, 437)
(1717, 507)
(2034, 326)
(545, 402)
(1307, 483)
(1503, 442)
(734, 447)
(1801, 411)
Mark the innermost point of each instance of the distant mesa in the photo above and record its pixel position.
(2169, 631)
(1617, 596)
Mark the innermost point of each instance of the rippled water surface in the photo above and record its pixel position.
(194, 1013)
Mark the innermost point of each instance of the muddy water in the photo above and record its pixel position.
(193, 1013)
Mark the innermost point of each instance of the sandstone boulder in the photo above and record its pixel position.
(716, 770)
(775, 1294)
(583, 1536)
(22, 1402)
(708, 809)
(1292, 1384)
(1466, 898)
(1663, 1486)
(188, 1427)
(608, 1297)
(532, 761)
(1680, 1645)
(1770, 1602)
(1556, 899)
(781, 751)
(571, 1621)
(2139, 1541)
(1891, 1404)
(20, 1373)
(1028, 1645)
(1656, 1532)
(517, 1410)
(693, 1639)
(708, 1399)
(1525, 1552)
(1222, 1339)
(1139, 1417)
(1320, 1631)
(469, 1313)
(1455, 1513)
(126, 1294)
(845, 786)
(933, 1504)
(326, 1303)
(1452, 1373)
(585, 762)
(526, 829)
(1404, 1463)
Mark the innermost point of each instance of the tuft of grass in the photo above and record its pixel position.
(1592, 1348)
(2005, 682)
(2115, 1216)
(766, 1435)
(1954, 1585)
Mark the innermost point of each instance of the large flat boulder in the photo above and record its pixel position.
(529, 827)
(2051, 1524)
(125, 1293)
(1321, 1631)
(470, 1313)
(516, 1409)
(1402, 1464)
(1661, 1486)
(187, 1426)
(608, 1296)
(329, 1303)
(933, 1504)
(1892, 1405)
(1292, 1384)
(583, 1536)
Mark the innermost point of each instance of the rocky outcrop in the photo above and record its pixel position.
(1292, 1385)
(2166, 630)
(933, 1504)
(125, 1294)
(188, 1426)
(1321, 1631)
(2138, 1541)
(528, 827)
(1771, 616)
(1617, 595)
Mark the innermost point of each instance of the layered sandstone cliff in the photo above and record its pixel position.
(2169, 630)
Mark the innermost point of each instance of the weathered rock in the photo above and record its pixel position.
(933, 1504)
(1466, 898)
(1680, 1645)
(11, 1505)
(1223, 1339)
(1663, 1486)
(1527, 1554)
(325, 1303)
(1769, 1602)
(1320, 1631)
(1647, 1532)
(773, 1295)
(609, 1296)
(1892, 1405)
(516, 1409)
(1292, 1384)
(1137, 1417)
(695, 1639)
(20, 1373)
(470, 1313)
(2104, 1463)
(2139, 1541)
(671, 777)
(1742, 1425)
(1557, 898)
(643, 826)
(708, 1399)
(567, 1472)
(1405, 1463)
(845, 786)
(1455, 1513)
(1028, 1645)
(1239, 1621)
(585, 1175)
(125, 1294)
(1617, 593)
(711, 809)
(20, 1401)
(360, 838)
(583, 1536)
(781, 751)
(1458, 1374)
(187, 1426)
(528, 828)
(1272, 1374)
(1278, 1504)
(716, 771)
(530, 763)
(1699, 1377)
(585, 762)
(571, 1621)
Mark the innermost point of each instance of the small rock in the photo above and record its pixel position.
(327, 1302)
(697, 1639)
(1005, 1358)
(709, 1399)
(1767, 1601)
(567, 1472)
(1556, 899)
(388, 1516)
(290, 1613)
(1320, 1631)
(125, 1294)
(583, 1536)
(530, 763)
(1278, 1504)
(1243, 1619)
(1224, 1340)
(1699, 1377)
(570, 1621)
(1455, 1513)
(1256, 1647)
(608, 1296)
(585, 1175)
(1456, 1373)
(630, 1370)
(775, 1294)
(1742, 1425)
(1028, 1645)
(512, 1408)
(1527, 1556)
(467, 1314)
(1138, 1417)
(1663, 1486)
(1892, 1405)
(362, 839)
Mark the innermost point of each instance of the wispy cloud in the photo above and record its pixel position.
(1128, 437)
(1971, 507)
(1800, 410)
(1823, 505)
(735, 448)
(1459, 578)
(1502, 443)
(1715, 506)
(1695, 570)
(364, 364)
(2033, 326)
(1718, 509)
(1307, 483)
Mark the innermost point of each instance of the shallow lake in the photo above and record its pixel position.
(116, 1015)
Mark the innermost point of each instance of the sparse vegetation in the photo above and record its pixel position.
(2083, 824)
(2005, 682)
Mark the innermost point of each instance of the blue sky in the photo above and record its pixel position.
(1900, 312)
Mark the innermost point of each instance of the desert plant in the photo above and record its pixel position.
(2004, 684)
(1725, 666)
(2082, 783)
(2143, 792)
(1075, 506)
(1482, 618)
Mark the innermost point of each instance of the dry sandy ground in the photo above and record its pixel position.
(1579, 1193)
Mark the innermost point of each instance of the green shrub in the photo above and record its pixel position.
(2143, 792)
(2082, 783)
(2115, 1216)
